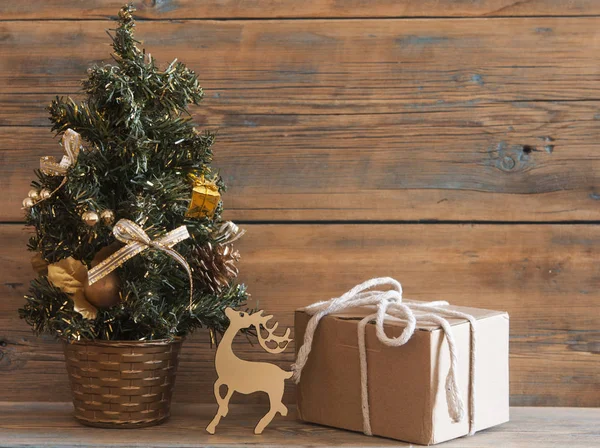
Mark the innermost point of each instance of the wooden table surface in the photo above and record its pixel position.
(51, 425)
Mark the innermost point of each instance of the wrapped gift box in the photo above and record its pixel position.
(406, 384)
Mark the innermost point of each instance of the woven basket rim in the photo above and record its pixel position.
(124, 343)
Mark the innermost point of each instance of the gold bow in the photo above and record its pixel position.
(137, 241)
(71, 143)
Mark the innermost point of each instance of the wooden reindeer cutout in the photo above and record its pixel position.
(246, 377)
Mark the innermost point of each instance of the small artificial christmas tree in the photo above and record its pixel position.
(140, 164)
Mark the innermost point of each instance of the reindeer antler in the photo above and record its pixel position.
(285, 339)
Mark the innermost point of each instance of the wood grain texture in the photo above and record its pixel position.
(50, 425)
(403, 110)
(545, 276)
(506, 162)
(386, 61)
(188, 9)
(360, 119)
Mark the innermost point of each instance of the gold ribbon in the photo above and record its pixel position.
(71, 143)
(137, 241)
(227, 233)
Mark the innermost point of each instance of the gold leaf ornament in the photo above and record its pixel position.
(69, 275)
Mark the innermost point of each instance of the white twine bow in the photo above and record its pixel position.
(138, 241)
(390, 307)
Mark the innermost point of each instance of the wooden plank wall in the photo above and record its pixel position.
(450, 144)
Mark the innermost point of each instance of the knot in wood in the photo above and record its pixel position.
(507, 163)
(512, 158)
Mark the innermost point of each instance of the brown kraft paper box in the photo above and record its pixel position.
(407, 399)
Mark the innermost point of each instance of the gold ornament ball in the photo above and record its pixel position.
(90, 218)
(27, 203)
(105, 292)
(34, 195)
(45, 193)
(107, 217)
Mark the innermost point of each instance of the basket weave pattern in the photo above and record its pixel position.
(122, 384)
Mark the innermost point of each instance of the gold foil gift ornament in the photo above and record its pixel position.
(205, 198)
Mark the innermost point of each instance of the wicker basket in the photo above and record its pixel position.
(122, 384)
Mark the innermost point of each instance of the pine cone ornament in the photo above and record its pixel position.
(217, 266)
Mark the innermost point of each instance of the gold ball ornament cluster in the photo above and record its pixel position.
(34, 196)
(91, 218)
